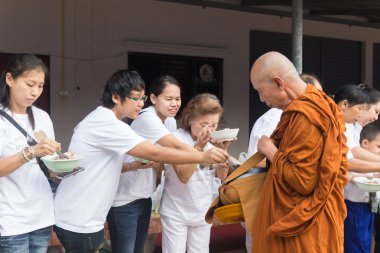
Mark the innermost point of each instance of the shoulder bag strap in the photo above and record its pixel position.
(247, 165)
(31, 141)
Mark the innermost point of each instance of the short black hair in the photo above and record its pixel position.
(121, 83)
(370, 131)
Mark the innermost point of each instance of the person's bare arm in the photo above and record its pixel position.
(362, 154)
(11, 163)
(185, 171)
(133, 166)
(362, 166)
(171, 141)
(148, 151)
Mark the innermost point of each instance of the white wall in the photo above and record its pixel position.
(94, 48)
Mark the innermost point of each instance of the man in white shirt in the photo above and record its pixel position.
(83, 201)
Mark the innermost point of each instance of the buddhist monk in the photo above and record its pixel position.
(302, 205)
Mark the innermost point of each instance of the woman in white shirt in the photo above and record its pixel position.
(188, 188)
(358, 226)
(26, 199)
(128, 220)
(82, 202)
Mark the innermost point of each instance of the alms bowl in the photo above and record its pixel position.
(225, 134)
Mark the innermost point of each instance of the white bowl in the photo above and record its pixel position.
(61, 165)
(225, 134)
(366, 184)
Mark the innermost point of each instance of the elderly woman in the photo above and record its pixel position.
(188, 188)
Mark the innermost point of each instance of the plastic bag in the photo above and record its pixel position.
(157, 194)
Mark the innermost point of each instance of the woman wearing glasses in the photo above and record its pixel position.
(83, 201)
(129, 217)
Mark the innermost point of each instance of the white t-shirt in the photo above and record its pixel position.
(187, 203)
(83, 201)
(353, 138)
(26, 200)
(265, 125)
(142, 183)
(352, 192)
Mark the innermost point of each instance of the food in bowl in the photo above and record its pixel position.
(368, 184)
(225, 134)
(56, 164)
(64, 156)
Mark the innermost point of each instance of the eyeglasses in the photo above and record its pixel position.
(143, 98)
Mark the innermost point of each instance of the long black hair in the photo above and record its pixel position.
(17, 65)
(354, 94)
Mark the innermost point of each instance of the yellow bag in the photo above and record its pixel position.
(239, 194)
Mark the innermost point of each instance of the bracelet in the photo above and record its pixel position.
(27, 153)
(22, 157)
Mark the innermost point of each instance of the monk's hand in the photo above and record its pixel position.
(215, 155)
(266, 147)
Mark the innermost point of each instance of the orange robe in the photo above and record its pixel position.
(302, 205)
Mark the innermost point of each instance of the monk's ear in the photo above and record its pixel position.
(279, 82)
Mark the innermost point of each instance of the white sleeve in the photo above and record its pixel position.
(49, 127)
(43, 122)
(351, 142)
(128, 159)
(149, 126)
(3, 133)
(115, 136)
(171, 124)
(265, 125)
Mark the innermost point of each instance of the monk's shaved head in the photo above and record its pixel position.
(273, 64)
(276, 79)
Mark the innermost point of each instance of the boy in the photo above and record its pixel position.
(361, 212)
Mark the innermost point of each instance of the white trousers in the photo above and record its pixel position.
(178, 237)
